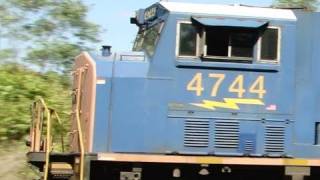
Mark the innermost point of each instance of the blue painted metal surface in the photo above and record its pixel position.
(145, 105)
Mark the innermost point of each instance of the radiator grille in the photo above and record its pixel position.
(196, 133)
(274, 139)
(226, 134)
(249, 145)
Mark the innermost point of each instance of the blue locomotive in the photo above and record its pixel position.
(204, 81)
(213, 80)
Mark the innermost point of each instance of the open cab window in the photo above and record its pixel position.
(229, 43)
(218, 41)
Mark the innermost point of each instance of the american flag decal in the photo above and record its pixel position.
(271, 107)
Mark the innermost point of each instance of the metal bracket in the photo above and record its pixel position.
(134, 175)
(297, 173)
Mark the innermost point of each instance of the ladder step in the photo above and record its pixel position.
(60, 170)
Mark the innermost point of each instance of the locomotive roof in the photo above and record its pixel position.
(230, 10)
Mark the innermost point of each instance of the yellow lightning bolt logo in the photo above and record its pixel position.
(229, 103)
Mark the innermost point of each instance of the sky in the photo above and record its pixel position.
(113, 16)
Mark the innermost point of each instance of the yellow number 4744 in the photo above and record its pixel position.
(237, 85)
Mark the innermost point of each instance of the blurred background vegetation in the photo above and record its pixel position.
(309, 5)
(38, 41)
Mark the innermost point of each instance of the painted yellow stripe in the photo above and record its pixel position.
(263, 161)
(295, 162)
(210, 160)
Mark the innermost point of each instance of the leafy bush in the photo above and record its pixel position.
(19, 86)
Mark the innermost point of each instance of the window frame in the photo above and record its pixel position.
(259, 45)
(201, 48)
(178, 27)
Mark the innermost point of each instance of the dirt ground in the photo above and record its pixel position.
(13, 164)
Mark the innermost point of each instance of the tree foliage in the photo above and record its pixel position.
(40, 30)
(38, 41)
(310, 5)
(19, 87)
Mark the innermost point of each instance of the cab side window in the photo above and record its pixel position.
(228, 43)
(187, 40)
(269, 45)
(147, 39)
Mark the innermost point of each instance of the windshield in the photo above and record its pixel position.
(147, 39)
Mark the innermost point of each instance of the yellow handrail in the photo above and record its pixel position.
(48, 135)
(79, 123)
(42, 107)
(49, 114)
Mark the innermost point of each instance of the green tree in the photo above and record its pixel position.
(19, 87)
(310, 5)
(38, 41)
(48, 33)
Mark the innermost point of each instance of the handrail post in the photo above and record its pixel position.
(39, 110)
(80, 71)
(48, 139)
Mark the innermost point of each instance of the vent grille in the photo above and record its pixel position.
(274, 139)
(249, 145)
(226, 134)
(196, 133)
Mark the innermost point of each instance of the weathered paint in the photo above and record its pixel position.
(87, 104)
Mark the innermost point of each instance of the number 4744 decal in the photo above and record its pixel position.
(236, 86)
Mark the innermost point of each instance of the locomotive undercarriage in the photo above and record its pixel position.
(148, 171)
(149, 167)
